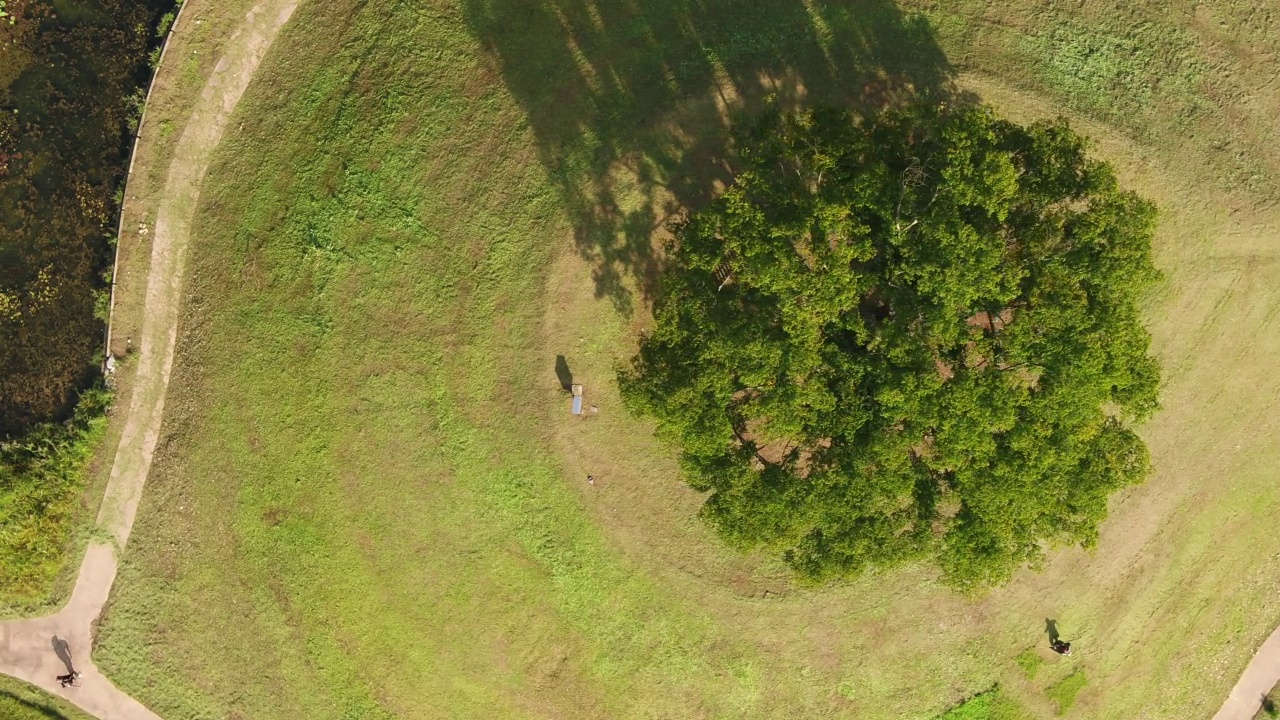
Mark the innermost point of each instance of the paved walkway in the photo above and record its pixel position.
(37, 650)
(1262, 674)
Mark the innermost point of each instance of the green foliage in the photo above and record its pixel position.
(1158, 77)
(990, 705)
(68, 82)
(1064, 692)
(909, 337)
(41, 479)
(102, 304)
(138, 99)
(166, 23)
(1029, 661)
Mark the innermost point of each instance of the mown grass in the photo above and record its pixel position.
(42, 480)
(1029, 662)
(990, 705)
(1064, 692)
(1184, 79)
(20, 701)
(370, 498)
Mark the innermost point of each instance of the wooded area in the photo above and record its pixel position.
(71, 79)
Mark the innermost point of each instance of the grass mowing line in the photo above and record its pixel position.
(323, 265)
(990, 705)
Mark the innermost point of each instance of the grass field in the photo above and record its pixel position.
(990, 705)
(20, 701)
(370, 498)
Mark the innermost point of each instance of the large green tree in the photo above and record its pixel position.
(911, 336)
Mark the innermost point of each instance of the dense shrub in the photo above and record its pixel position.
(41, 479)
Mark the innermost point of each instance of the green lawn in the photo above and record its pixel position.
(1065, 691)
(371, 500)
(990, 705)
(20, 701)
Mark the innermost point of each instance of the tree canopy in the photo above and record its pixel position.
(907, 337)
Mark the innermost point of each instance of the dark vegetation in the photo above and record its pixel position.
(41, 477)
(903, 337)
(72, 78)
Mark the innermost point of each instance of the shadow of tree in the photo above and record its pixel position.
(631, 101)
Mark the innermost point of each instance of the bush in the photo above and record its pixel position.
(990, 705)
(42, 477)
(165, 24)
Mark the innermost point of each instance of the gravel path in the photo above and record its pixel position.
(37, 650)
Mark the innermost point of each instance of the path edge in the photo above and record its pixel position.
(107, 365)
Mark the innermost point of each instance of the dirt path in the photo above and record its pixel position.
(1262, 674)
(37, 650)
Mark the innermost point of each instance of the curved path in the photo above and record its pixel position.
(37, 650)
(1262, 674)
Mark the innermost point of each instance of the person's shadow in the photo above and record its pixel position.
(63, 651)
(562, 373)
(1051, 627)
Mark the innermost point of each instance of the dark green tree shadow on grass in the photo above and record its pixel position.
(645, 84)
